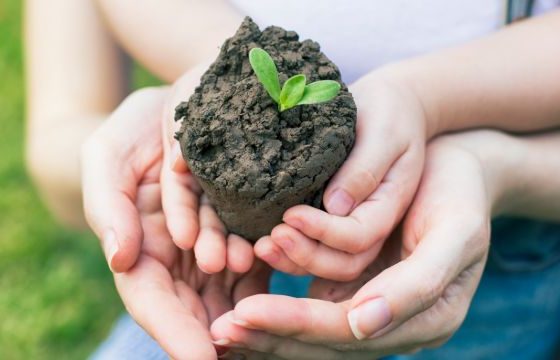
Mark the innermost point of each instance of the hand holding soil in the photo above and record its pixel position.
(253, 161)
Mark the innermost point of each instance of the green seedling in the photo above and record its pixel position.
(294, 91)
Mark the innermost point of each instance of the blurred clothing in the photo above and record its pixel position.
(361, 35)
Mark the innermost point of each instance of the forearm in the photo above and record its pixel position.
(75, 74)
(521, 172)
(170, 37)
(509, 80)
(53, 162)
(535, 192)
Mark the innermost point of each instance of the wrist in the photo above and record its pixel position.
(499, 155)
(411, 75)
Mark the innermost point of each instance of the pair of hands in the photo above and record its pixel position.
(414, 294)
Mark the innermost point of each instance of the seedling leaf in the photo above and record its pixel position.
(319, 91)
(266, 72)
(292, 91)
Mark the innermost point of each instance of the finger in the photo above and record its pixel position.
(216, 295)
(308, 320)
(365, 167)
(240, 256)
(180, 201)
(181, 90)
(273, 255)
(180, 191)
(371, 221)
(435, 325)
(150, 297)
(256, 281)
(112, 169)
(156, 240)
(210, 246)
(111, 213)
(225, 331)
(321, 260)
(409, 287)
(178, 163)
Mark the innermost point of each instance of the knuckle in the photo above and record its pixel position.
(364, 178)
(306, 260)
(478, 240)
(359, 243)
(429, 290)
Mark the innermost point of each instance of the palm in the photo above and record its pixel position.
(158, 282)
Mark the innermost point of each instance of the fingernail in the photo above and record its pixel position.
(175, 156)
(339, 203)
(294, 222)
(370, 317)
(110, 246)
(285, 243)
(221, 342)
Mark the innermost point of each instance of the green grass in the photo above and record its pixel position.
(57, 298)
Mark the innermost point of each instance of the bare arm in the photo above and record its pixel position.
(509, 80)
(75, 77)
(170, 37)
(521, 171)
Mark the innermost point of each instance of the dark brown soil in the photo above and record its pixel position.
(252, 161)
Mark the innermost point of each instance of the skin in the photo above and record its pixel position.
(55, 34)
(412, 102)
(162, 287)
(417, 292)
(79, 51)
(55, 168)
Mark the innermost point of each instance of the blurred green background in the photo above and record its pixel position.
(57, 298)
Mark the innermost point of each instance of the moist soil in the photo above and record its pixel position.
(253, 161)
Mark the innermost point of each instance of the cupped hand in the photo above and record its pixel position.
(159, 283)
(366, 198)
(435, 261)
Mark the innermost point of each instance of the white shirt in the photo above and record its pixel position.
(360, 35)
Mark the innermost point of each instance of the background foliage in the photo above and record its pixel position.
(57, 299)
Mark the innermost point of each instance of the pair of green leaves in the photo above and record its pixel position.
(294, 91)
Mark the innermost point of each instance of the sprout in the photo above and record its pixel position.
(294, 91)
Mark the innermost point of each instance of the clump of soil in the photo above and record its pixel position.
(253, 161)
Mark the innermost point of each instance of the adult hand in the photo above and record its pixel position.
(419, 301)
(213, 247)
(159, 283)
(366, 198)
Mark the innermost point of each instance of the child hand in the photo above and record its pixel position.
(366, 198)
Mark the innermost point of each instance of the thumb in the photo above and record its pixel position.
(407, 288)
(180, 91)
(113, 164)
(110, 212)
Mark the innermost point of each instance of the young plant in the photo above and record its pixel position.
(294, 91)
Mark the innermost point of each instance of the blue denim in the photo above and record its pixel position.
(515, 313)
